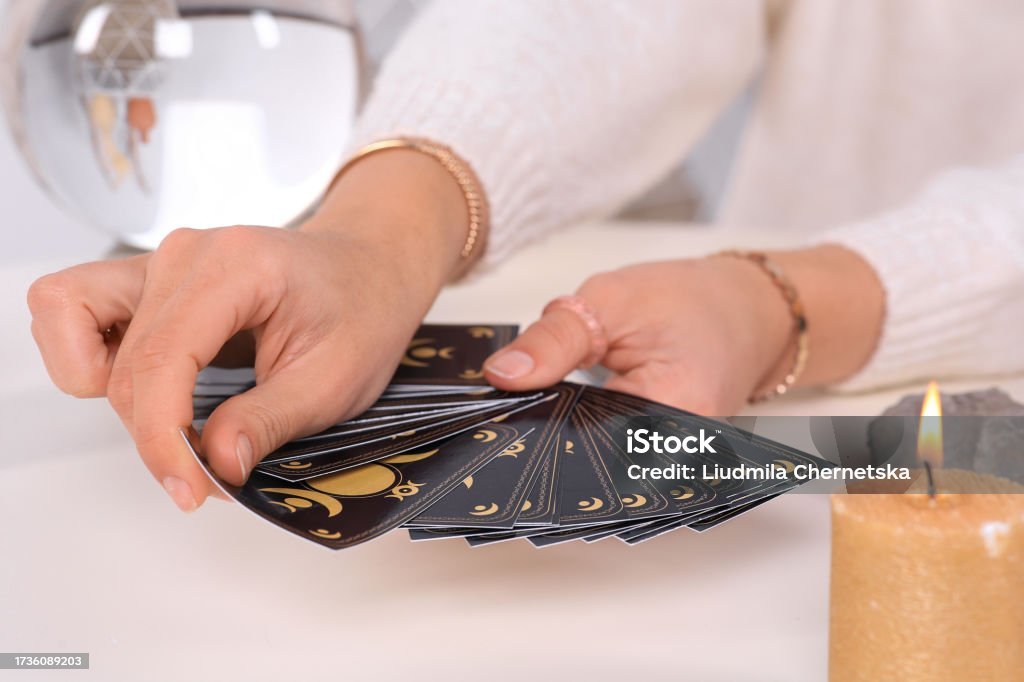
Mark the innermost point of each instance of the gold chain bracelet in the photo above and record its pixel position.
(796, 309)
(460, 170)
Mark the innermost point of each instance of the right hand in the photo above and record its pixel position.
(330, 310)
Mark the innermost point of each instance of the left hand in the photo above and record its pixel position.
(705, 334)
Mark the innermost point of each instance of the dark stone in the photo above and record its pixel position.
(983, 431)
(1001, 448)
(988, 403)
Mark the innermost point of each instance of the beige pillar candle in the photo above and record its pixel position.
(929, 588)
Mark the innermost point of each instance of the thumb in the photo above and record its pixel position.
(247, 427)
(549, 349)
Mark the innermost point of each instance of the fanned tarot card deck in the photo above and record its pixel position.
(444, 455)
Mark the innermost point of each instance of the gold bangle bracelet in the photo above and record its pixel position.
(461, 172)
(789, 292)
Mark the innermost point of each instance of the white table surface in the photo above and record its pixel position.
(96, 559)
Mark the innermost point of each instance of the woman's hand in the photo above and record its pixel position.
(330, 309)
(706, 334)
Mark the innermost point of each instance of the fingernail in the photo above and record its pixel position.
(243, 451)
(510, 364)
(181, 493)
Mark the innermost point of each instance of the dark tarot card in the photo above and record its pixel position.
(412, 405)
(344, 509)
(330, 458)
(494, 496)
(644, 533)
(585, 489)
(540, 508)
(710, 522)
(687, 495)
(729, 449)
(640, 498)
(451, 355)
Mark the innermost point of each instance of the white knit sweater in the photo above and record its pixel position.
(568, 109)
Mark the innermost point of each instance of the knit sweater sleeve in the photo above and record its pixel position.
(952, 264)
(566, 109)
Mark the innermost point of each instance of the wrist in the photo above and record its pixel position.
(403, 205)
(844, 303)
(841, 301)
(765, 319)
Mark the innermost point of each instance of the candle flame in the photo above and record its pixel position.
(929, 434)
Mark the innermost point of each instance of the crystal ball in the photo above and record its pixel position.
(142, 116)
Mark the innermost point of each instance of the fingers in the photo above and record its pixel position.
(166, 272)
(178, 340)
(542, 355)
(72, 309)
(163, 373)
(293, 402)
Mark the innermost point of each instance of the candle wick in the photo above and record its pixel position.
(931, 479)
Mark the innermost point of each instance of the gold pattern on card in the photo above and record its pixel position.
(485, 510)
(420, 352)
(325, 534)
(361, 481)
(471, 374)
(299, 498)
(468, 482)
(485, 435)
(526, 505)
(593, 504)
(404, 434)
(295, 465)
(481, 332)
(683, 493)
(409, 457)
(784, 464)
(513, 450)
(400, 492)
(633, 501)
(568, 447)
